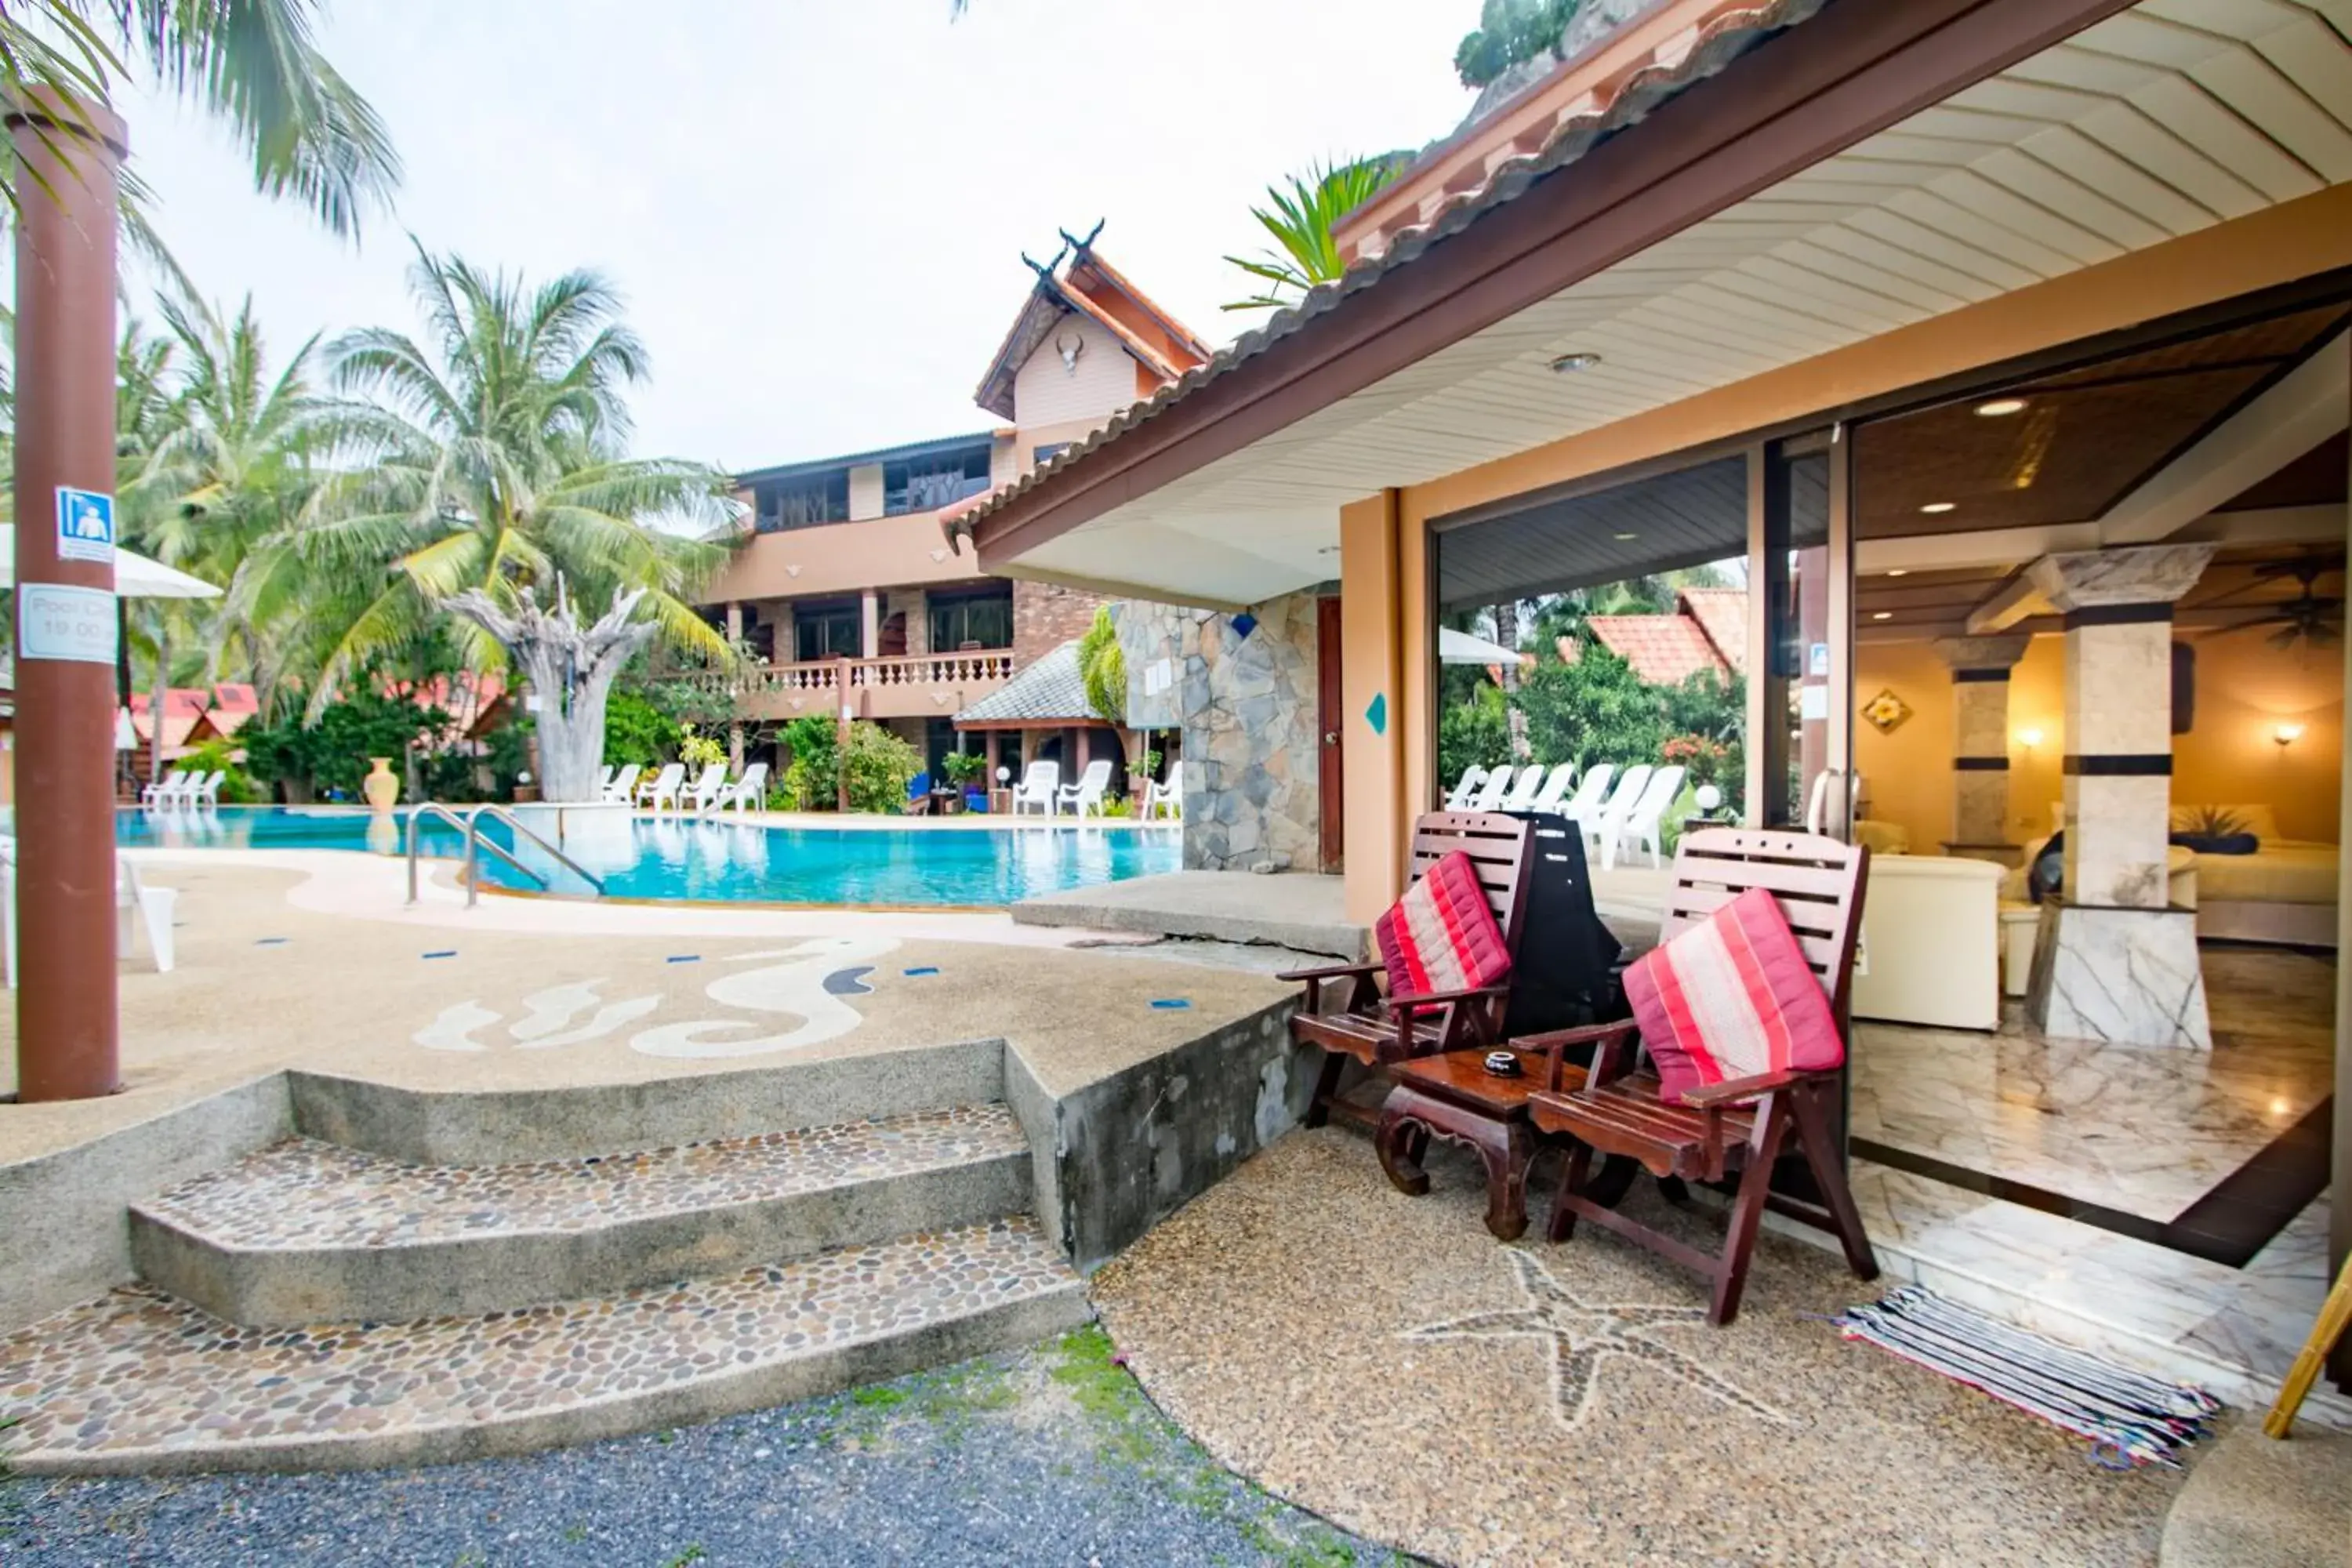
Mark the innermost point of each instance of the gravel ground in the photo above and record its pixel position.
(1049, 1455)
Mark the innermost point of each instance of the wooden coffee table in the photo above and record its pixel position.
(1453, 1096)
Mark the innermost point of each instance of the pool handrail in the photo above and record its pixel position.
(470, 824)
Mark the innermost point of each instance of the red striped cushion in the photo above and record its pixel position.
(1732, 997)
(1441, 935)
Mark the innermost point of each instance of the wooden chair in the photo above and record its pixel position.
(1739, 1125)
(1379, 1032)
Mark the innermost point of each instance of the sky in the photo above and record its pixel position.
(814, 209)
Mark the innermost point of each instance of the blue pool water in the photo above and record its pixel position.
(672, 858)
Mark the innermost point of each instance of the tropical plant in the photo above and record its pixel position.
(964, 769)
(495, 463)
(250, 64)
(330, 753)
(813, 778)
(223, 756)
(637, 731)
(697, 750)
(1473, 733)
(1102, 667)
(1299, 220)
(877, 765)
(1511, 33)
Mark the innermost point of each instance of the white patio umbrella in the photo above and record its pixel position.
(1461, 647)
(135, 577)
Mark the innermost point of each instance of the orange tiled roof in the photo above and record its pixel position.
(1722, 614)
(1664, 650)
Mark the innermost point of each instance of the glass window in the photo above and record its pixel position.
(927, 484)
(827, 631)
(801, 504)
(980, 621)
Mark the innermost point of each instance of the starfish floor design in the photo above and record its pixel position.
(1581, 1336)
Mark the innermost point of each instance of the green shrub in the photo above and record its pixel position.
(813, 778)
(1472, 734)
(699, 751)
(964, 769)
(333, 753)
(637, 731)
(1102, 665)
(240, 787)
(877, 765)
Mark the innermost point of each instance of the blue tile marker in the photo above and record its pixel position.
(685, 958)
(445, 952)
(1171, 1003)
(924, 968)
(261, 941)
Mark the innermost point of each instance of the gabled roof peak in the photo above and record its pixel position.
(1079, 279)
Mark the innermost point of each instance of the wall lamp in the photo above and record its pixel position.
(2286, 735)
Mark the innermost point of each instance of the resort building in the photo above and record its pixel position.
(848, 594)
(1999, 349)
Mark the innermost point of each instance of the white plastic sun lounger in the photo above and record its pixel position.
(622, 787)
(154, 907)
(1085, 798)
(172, 789)
(749, 793)
(666, 787)
(1600, 833)
(707, 789)
(1529, 785)
(1584, 810)
(1639, 828)
(1041, 782)
(1490, 793)
(1170, 794)
(1555, 788)
(1465, 789)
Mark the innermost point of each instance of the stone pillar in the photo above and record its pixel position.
(869, 637)
(2115, 960)
(734, 723)
(1980, 667)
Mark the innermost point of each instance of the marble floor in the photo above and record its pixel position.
(2079, 1188)
(2148, 1131)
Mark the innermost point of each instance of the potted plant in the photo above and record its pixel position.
(967, 771)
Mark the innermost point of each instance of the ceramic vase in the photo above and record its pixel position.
(381, 786)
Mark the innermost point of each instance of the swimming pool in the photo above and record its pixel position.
(670, 858)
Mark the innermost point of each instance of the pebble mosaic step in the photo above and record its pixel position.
(139, 1382)
(307, 1231)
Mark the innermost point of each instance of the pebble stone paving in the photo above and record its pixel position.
(1050, 1457)
(139, 1370)
(308, 1194)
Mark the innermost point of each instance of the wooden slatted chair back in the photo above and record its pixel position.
(1817, 882)
(1499, 848)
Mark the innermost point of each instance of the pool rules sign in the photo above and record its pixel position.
(55, 620)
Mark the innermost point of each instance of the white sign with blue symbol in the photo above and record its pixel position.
(85, 526)
(55, 620)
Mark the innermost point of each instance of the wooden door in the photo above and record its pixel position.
(1329, 776)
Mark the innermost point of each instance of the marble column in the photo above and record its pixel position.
(2115, 960)
(1980, 667)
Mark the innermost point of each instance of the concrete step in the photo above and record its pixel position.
(138, 1382)
(309, 1232)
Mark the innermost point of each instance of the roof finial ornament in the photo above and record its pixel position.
(1045, 270)
(1072, 242)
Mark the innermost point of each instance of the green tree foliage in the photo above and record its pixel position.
(1473, 733)
(878, 765)
(249, 64)
(812, 777)
(495, 458)
(1102, 665)
(1594, 710)
(637, 731)
(332, 753)
(1511, 33)
(218, 754)
(1299, 220)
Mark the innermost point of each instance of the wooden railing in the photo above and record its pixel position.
(987, 667)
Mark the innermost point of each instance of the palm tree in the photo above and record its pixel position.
(1301, 224)
(495, 460)
(250, 63)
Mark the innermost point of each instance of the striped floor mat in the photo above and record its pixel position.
(2130, 1418)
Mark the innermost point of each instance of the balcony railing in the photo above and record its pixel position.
(988, 665)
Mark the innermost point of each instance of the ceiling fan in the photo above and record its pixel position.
(2309, 616)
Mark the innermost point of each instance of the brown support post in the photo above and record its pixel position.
(841, 671)
(68, 154)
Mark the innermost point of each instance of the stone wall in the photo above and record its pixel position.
(1246, 709)
(1046, 615)
(912, 603)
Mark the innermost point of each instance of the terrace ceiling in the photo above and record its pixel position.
(2161, 120)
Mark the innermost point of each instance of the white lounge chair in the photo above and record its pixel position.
(173, 789)
(1584, 809)
(1040, 783)
(1639, 828)
(604, 779)
(1490, 793)
(665, 787)
(622, 786)
(1085, 798)
(1465, 789)
(154, 907)
(1170, 794)
(707, 789)
(1523, 793)
(749, 793)
(208, 792)
(1600, 832)
(1555, 788)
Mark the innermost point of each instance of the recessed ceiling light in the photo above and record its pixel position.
(1934, 507)
(1622, 538)
(1898, 571)
(1569, 364)
(1999, 407)
(1882, 615)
